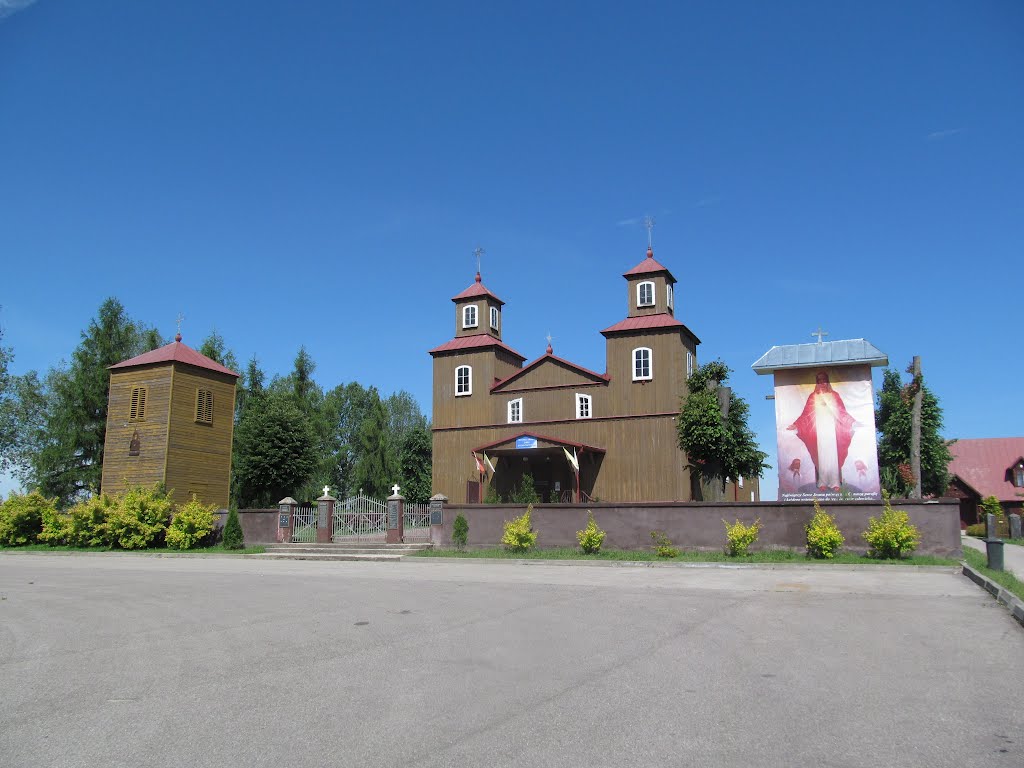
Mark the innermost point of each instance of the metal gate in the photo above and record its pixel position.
(416, 520)
(359, 518)
(304, 524)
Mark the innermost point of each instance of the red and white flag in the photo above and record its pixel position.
(479, 464)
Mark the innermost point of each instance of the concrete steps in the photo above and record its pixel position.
(338, 551)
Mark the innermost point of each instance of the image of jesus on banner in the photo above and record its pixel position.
(826, 428)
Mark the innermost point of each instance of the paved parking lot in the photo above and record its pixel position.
(140, 661)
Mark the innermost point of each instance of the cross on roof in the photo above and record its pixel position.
(649, 224)
(180, 318)
(478, 252)
(819, 333)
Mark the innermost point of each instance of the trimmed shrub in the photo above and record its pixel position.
(140, 518)
(824, 538)
(56, 528)
(891, 535)
(233, 538)
(739, 537)
(978, 529)
(192, 523)
(591, 537)
(990, 506)
(662, 545)
(460, 532)
(87, 522)
(21, 518)
(519, 535)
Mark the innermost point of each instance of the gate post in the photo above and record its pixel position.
(437, 502)
(396, 517)
(325, 517)
(285, 511)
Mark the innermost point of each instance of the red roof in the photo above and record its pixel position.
(984, 465)
(175, 352)
(476, 289)
(648, 266)
(546, 438)
(549, 356)
(646, 322)
(473, 342)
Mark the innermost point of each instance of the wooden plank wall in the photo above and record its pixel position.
(119, 469)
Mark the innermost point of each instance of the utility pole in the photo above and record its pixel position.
(915, 428)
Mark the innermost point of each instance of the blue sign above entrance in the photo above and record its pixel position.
(525, 442)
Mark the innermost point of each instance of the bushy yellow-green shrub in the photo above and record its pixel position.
(56, 528)
(87, 522)
(891, 535)
(21, 518)
(824, 538)
(139, 519)
(663, 545)
(192, 523)
(591, 537)
(739, 537)
(978, 529)
(519, 535)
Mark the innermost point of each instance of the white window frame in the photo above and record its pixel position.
(670, 296)
(459, 391)
(469, 316)
(637, 355)
(494, 318)
(515, 411)
(689, 363)
(584, 406)
(640, 294)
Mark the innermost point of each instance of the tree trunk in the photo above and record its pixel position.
(915, 430)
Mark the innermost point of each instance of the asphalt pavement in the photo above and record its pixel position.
(140, 661)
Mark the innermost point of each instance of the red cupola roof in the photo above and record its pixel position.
(476, 289)
(649, 267)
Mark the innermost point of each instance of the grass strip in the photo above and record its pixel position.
(686, 556)
(214, 550)
(979, 562)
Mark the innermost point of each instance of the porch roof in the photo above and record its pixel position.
(508, 444)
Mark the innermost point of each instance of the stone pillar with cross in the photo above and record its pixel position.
(396, 516)
(325, 517)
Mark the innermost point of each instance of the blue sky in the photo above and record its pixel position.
(319, 173)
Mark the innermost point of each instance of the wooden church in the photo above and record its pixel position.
(581, 435)
(170, 419)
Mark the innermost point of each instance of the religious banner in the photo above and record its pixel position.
(825, 428)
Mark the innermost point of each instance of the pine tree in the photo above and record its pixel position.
(415, 465)
(374, 473)
(233, 538)
(893, 419)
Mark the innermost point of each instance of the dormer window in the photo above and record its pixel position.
(642, 370)
(463, 381)
(645, 294)
(1018, 476)
(494, 318)
(469, 316)
(515, 411)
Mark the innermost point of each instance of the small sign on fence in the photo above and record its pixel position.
(435, 512)
(321, 514)
(283, 521)
(393, 515)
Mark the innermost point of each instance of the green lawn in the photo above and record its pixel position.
(979, 562)
(216, 550)
(770, 556)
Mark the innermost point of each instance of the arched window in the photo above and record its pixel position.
(642, 367)
(583, 407)
(494, 318)
(463, 380)
(515, 411)
(645, 294)
(469, 316)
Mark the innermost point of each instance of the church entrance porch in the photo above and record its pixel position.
(548, 462)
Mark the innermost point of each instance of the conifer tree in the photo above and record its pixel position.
(374, 473)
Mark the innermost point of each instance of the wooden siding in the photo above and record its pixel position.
(549, 373)
(199, 455)
(119, 469)
(660, 305)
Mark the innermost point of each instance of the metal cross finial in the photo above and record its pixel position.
(649, 224)
(549, 337)
(394, 489)
(478, 252)
(180, 318)
(819, 333)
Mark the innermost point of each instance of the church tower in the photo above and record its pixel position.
(170, 420)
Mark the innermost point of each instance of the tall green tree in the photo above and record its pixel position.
(275, 452)
(717, 446)
(893, 420)
(215, 348)
(8, 429)
(347, 406)
(64, 416)
(414, 465)
(374, 473)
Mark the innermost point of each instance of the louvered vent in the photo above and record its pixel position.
(204, 406)
(137, 410)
